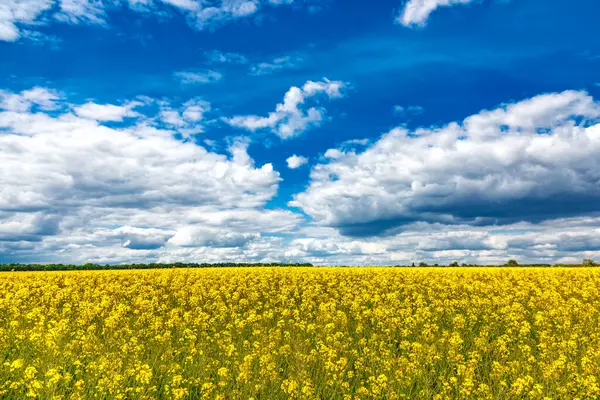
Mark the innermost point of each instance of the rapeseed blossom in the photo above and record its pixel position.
(301, 333)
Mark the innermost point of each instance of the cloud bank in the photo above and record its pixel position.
(78, 188)
(113, 183)
(529, 161)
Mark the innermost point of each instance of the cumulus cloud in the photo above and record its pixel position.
(14, 13)
(292, 117)
(76, 188)
(18, 16)
(39, 97)
(529, 161)
(550, 242)
(416, 12)
(188, 119)
(30, 227)
(519, 181)
(107, 112)
(295, 161)
(200, 77)
(143, 238)
(322, 247)
(117, 166)
(195, 236)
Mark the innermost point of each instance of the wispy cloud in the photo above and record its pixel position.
(197, 77)
(402, 110)
(276, 64)
(219, 57)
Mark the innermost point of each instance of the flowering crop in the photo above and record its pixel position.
(301, 333)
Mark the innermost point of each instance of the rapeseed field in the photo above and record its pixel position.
(301, 333)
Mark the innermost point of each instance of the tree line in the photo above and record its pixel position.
(93, 267)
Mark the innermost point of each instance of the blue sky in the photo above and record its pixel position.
(317, 130)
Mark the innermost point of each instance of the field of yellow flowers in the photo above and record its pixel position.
(301, 333)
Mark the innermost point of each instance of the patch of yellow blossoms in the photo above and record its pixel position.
(301, 333)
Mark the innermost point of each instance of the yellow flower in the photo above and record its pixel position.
(352, 333)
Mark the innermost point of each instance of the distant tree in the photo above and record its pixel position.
(588, 262)
(512, 262)
(423, 264)
(454, 264)
(92, 266)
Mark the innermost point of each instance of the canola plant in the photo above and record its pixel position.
(301, 333)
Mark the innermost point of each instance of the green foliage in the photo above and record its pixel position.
(93, 267)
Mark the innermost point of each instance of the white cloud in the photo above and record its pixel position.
(29, 227)
(334, 154)
(40, 39)
(532, 160)
(401, 110)
(73, 190)
(16, 15)
(362, 142)
(416, 12)
(549, 242)
(189, 5)
(143, 238)
(85, 155)
(106, 112)
(325, 247)
(76, 188)
(217, 56)
(290, 118)
(345, 146)
(81, 11)
(228, 10)
(277, 64)
(194, 110)
(196, 236)
(187, 119)
(200, 77)
(43, 98)
(432, 243)
(295, 161)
